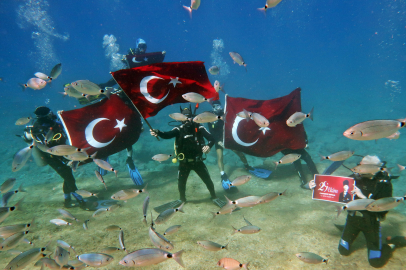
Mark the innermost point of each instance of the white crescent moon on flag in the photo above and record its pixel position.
(135, 61)
(89, 134)
(144, 89)
(235, 134)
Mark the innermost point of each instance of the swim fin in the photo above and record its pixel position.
(258, 172)
(169, 205)
(218, 202)
(225, 183)
(333, 167)
(134, 173)
(103, 172)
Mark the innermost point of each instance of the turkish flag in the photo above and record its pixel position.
(249, 138)
(153, 87)
(107, 127)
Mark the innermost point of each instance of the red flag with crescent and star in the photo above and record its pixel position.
(248, 137)
(107, 127)
(153, 87)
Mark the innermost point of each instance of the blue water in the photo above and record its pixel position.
(349, 58)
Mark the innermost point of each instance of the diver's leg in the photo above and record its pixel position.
(243, 159)
(69, 183)
(183, 174)
(378, 253)
(309, 161)
(220, 162)
(350, 232)
(298, 167)
(201, 170)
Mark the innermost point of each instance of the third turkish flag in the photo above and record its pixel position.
(153, 87)
(247, 137)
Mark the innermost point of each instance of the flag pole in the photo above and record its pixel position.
(149, 125)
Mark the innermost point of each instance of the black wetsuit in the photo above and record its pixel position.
(368, 222)
(298, 164)
(189, 142)
(58, 163)
(217, 131)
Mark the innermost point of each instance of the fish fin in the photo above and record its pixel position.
(21, 189)
(180, 208)
(228, 200)
(401, 168)
(339, 210)
(322, 157)
(247, 115)
(235, 230)
(93, 156)
(310, 114)
(245, 265)
(178, 257)
(23, 86)
(189, 9)
(246, 221)
(283, 193)
(226, 246)
(276, 164)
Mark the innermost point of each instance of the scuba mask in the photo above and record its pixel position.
(217, 109)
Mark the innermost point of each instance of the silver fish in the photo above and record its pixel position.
(13, 240)
(100, 211)
(7, 196)
(245, 114)
(237, 58)
(218, 87)
(105, 165)
(21, 157)
(289, 158)
(159, 240)
(214, 70)
(212, 246)
(126, 194)
(100, 177)
(80, 156)
(5, 211)
(49, 136)
(227, 209)
(25, 258)
(72, 92)
(207, 117)
(161, 157)
(167, 214)
(270, 197)
(23, 121)
(121, 240)
(240, 180)
(248, 201)
(339, 156)
(59, 222)
(65, 150)
(61, 255)
(90, 89)
(41, 146)
(250, 229)
(34, 83)
(384, 204)
(368, 169)
(178, 116)
(298, 117)
(194, 5)
(311, 258)
(65, 245)
(47, 262)
(355, 205)
(41, 76)
(231, 264)
(145, 209)
(112, 228)
(374, 130)
(150, 256)
(85, 193)
(270, 4)
(55, 72)
(195, 97)
(95, 259)
(260, 120)
(66, 214)
(109, 250)
(7, 231)
(172, 229)
(7, 185)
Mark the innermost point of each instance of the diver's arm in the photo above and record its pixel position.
(208, 136)
(166, 135)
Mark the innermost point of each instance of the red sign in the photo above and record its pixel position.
(333, 188)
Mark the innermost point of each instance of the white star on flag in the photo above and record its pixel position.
(120, 124)
(264, 129)
(174, 81)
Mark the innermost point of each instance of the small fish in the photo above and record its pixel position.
(7, 196)
(100, 211)
(374, 129)
(371, 160)
(384, 204)
(5, 211)
(270, 197)
(85, 193)
(159, 240)
(401, 168)
(249, 229)
(309, 257)
(150, 256)
(178, 116)
(231, 264)
(339, 156)
(245, 114)
(167, 214)
(194, 5)
(41, 76)
(59, 222)
(212, 246)
(238, 59)
(287, 159)
(65, 245)
(218, 87)
(80, 156)
(161, 157)
(394, 136)
(105, 165)
(61, 256)
(85, 224)
(355, 205)
(172, 229)
(7, 185)
(368, 169)
(13, 240)
(64, 150)
(66, 214)
(100, 177)
(240, 180)
(126, 194)
(214, 70)
(47, 262)
(248, 201)
(95, 259)
(270, 4)
(109, 250)
(145, 209)
(40, 146)
(121, 240)
(195, 97)
(260, 120)
(89, 88)
(72, 92)
(227, 209)
(208, 117)
(298, 117)
(55, 72)
(25, 258)
(7, 231)
(34, 83)
(23, 121)
(21, 157)
(113, 228)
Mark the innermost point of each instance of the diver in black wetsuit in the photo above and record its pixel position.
(45, 122)
(190, 147)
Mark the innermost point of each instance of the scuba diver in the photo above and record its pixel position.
(217, 130)
(375, 187)
(190, 147)
(47, 130)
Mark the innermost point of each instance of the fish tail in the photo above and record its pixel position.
(178, 257)
(322, 157)
(325, 261)
(245, 265)
(23, 86)
(20, 188)
(180, 209)
(310, 114)
(189, 9)
(116, 172)
(93, 156)
(234, 230)
(401, 168)
(226, 246)
(228, 200)
(213, 214)
(276, 164)
(339, 210)
(283, 193)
